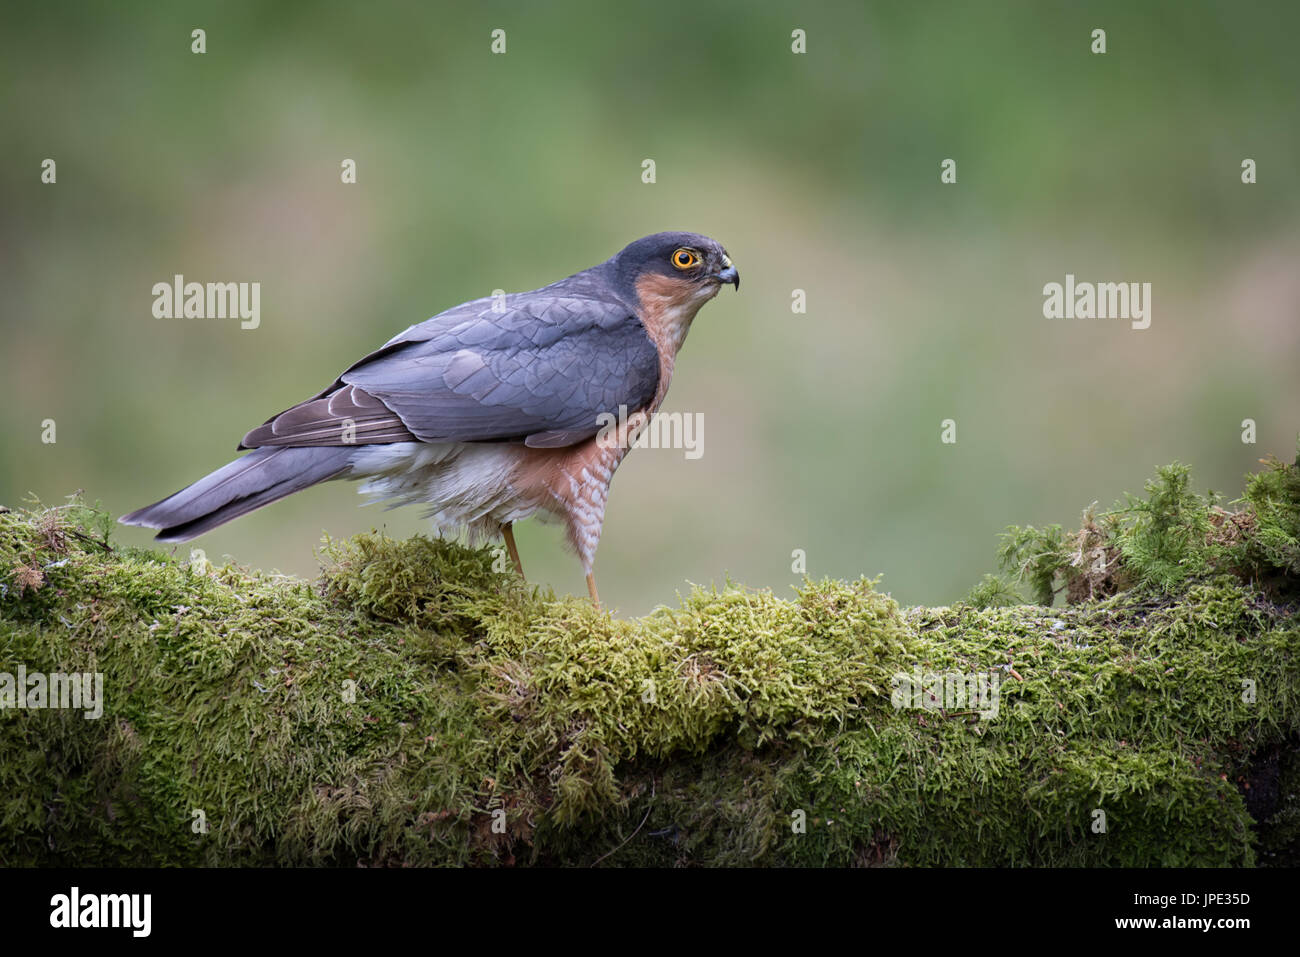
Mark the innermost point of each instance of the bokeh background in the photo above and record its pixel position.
(818, 171)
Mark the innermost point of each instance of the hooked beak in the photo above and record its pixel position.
(731, 275)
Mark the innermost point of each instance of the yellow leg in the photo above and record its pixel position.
(591, 589)
(509, 534)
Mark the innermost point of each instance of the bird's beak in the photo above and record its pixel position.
(731, 275)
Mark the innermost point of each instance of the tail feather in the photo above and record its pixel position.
(261, 477)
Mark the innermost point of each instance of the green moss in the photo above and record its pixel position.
(1160, 542)
(415, 706)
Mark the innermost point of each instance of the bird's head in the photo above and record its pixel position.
(685, 268)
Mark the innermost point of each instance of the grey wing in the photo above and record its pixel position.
(542, 371)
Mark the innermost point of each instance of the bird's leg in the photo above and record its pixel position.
(591, 590)
(509, 534)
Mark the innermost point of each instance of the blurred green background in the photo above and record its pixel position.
(817, 171)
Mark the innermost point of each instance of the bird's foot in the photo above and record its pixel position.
(509, 535)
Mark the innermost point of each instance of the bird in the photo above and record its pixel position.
(490, 412)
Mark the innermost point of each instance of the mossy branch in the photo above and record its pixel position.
(415, 706)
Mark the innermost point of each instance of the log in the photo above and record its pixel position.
(415, 706)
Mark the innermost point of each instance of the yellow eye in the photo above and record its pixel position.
(685, 258)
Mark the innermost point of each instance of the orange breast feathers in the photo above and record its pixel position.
(668, 306)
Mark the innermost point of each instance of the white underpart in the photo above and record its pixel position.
(465, 486)
(589, 496)
(676, 320)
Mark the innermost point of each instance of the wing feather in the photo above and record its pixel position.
(541, 371)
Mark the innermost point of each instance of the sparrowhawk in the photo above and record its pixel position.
(489, 412)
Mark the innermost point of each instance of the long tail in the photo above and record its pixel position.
(261, 477)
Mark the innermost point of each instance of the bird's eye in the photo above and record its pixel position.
(685, 258)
